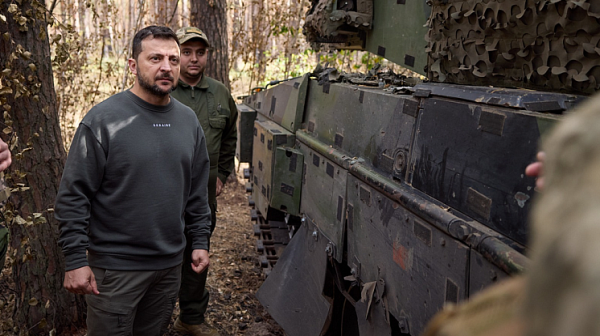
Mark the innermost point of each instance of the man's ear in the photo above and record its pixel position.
(132, 66)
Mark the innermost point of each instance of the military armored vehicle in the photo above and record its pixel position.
(400, 199)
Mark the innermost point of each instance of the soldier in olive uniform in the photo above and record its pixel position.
(217, 113)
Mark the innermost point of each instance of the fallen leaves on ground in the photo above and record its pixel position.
(234, 275)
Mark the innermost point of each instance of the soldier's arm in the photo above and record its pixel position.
(81, 180)
(5, 157)
(228, 141)
(197, 211)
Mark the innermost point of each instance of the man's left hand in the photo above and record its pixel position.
(6, 159)
(200, 261)
(219, 186)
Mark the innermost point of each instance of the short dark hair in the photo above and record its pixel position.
(155, 31)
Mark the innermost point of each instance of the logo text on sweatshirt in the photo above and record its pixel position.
(161, 125)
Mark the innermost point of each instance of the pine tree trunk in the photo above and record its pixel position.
(210, 16)
(260, 41)
(185, 13)
(82, 27)
(38, 270)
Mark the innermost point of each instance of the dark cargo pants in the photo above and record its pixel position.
(193, 296)
(132, 302)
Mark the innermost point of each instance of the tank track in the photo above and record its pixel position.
(271, 239)
(271, 236)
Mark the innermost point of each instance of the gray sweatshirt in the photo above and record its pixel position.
(135, 177)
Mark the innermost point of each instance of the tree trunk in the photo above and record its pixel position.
(82, 26)
(259, 25)
(210, 16)
(29, 100)
(291, 47)
(185, 13)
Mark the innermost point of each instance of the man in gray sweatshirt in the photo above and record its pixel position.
(135, 178)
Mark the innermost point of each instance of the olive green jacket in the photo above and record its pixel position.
(217, 113)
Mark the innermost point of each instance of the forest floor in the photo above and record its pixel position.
(234, 275)
(233, 279)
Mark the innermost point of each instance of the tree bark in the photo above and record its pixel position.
(291, 47)
(185, 13)
(210, 16)
(82, 27)
(28, 98)
(259, 39)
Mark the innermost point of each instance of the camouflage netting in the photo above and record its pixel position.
(543, 44)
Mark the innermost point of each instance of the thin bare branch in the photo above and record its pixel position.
(52, 7)
(174, 12)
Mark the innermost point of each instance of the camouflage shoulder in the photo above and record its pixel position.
(495, 311)
(4, 190)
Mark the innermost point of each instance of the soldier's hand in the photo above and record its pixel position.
(81, 281)
(536, 169)
(219, 186)
(5, 157)
(200, 261)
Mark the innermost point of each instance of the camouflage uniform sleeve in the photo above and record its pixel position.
(228, 142)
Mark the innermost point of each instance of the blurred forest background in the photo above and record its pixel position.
(58, 58)
(252, 43)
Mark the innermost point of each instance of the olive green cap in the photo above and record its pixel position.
(187, 33)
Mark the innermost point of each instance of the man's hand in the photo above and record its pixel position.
(219, 186)
(200, 261)
(81, 281)
(536, 169)
(5, 158)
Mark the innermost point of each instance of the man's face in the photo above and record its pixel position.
(157, 66)
(193, 58)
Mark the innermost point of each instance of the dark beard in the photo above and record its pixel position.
(155, 89)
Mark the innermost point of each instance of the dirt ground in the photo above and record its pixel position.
(234, 274)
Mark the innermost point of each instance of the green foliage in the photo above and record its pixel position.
(266, 42)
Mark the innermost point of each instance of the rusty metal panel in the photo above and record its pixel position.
(323, 198)
(473, 157)
(292, 293)
(367, 123)
(420, 266)
(483, 273)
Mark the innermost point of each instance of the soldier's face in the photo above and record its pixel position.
(193, 58)
(157, 66)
